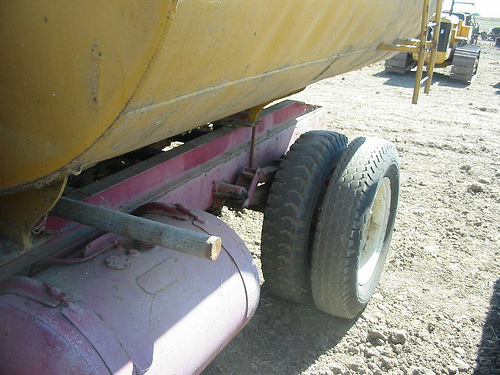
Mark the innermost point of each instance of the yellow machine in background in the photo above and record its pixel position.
(454, 47)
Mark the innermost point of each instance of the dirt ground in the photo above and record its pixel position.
(437, 308)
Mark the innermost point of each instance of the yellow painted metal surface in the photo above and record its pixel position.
(457, 29)
(21, 211)
(464, 31)
(86, 81)
(441, 58)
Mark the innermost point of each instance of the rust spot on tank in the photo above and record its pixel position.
(95, 66)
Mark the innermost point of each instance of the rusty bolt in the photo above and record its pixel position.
(119, 262)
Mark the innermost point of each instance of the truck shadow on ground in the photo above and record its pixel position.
(281, 338)
(488, 357)
(407, 80)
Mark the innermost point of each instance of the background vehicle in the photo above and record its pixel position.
(492, 34)
(455, 47)
(464, 11)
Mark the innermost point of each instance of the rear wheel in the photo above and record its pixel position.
(354, 227)
(289, 218)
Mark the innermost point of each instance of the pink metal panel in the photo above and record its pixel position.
(184, 175)
(206, 155)
(36, 340)
(167, 313)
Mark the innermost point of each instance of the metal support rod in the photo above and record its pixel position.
(252, 148)
(190, 242)
(421, 50)
(435, 39)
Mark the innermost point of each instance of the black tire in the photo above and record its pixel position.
(289, 216)
(354, 227)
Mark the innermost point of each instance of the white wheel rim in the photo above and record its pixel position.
(376, 228)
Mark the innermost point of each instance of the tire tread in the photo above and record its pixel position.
(340, 225)
(291, 205)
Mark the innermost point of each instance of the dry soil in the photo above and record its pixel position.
(437, 308)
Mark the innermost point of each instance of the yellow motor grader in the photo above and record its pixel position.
(454, 47)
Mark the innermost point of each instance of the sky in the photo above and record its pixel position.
(486, 8)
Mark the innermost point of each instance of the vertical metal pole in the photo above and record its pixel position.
(252, 148)
(421, 50)
(435, 40)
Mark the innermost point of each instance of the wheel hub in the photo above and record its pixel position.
(376, 229)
